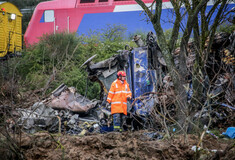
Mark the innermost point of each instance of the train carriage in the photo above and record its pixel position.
(10, 29)
(81, 16)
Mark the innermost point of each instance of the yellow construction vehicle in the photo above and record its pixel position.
(10, 30)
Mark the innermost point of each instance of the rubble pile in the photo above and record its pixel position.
(219, 83)
(65, 111)
(69, 112)
(219, 88)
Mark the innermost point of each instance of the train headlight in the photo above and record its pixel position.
(13, 16)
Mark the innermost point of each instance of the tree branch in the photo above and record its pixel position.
(213, 28)
(175, 31)
(192, 17)
(209, 15)
(145, 8)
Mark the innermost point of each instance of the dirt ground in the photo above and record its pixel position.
(126, 145)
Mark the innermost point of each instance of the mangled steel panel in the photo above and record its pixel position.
(107, 77)
(38, 117)
(105, 71)
(141, 78)
(140, 75)
(69, 99)
(145, 106)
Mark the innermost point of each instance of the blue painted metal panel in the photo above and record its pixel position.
(141, 79)
(42, 18)
(129, 73)
(144, 78)
(133, 20)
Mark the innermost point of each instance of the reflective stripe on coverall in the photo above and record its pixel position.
(117, 96)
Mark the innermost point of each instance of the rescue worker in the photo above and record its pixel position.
(118, 95)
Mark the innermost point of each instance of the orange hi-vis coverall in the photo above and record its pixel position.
(117, 96)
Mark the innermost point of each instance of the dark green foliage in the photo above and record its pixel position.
(25, 20)
(113, 32)
(138, 32)
(226, 27)
(168, 33)
(56, 59)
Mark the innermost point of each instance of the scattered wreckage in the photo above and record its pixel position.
(152, 88)
(62, 112)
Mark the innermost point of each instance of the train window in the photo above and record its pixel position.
(122, 0)
(87, 1)
(103, 0)
(49, 15)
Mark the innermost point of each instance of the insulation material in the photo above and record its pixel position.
(69, 99)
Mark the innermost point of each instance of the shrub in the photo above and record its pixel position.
(57, 59)
(226, 27)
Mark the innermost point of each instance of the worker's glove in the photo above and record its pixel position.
(128, 98)
(107, 105)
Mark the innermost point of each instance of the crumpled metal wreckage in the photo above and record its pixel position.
(135, 62)
(37, 118)
(67, 98)
(138, 63)
(146, 70)
(63, 111)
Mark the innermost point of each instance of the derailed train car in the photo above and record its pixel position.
(10, 29)
(142, 65)
(151, 87)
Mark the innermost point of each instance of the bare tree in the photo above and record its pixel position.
(201, 32)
